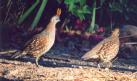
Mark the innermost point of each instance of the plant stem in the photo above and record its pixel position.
(92, 25)
(26, 14)
(39, 14)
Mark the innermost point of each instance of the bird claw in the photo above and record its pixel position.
(99, 66)
(107, 69)
(37, 64)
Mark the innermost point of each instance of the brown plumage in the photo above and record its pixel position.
(106, 50)
(42, 42)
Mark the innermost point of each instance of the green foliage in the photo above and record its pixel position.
(28, 12)
(10, 11)
(92, 24)
(39, 14)
(123, 7)
(78, 8)
(102, 2)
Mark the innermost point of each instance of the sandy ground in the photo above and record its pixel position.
(26, 71)
(17, 70)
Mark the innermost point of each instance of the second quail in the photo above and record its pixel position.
(106, 50)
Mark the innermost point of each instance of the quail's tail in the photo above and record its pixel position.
(17, 54)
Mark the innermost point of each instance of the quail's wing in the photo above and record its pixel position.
(36, 43)
(93, 53)
(109, 49)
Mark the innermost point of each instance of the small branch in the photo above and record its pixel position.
(132, 43)
(7, 51)
(64, 23)
(128, 36)
(62, 60)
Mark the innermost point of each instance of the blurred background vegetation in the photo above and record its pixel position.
(81, 17)
(94, 13)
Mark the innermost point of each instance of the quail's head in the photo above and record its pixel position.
(115, 32)
(55, 19)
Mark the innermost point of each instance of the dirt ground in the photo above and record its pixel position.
(26, 71)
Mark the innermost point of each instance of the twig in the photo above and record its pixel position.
(128, 36)
(130, 43)
(64, 23)
(63, 60)
(7, 51)
(7, 14)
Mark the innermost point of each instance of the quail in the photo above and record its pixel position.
(42, 42)
(106, 50)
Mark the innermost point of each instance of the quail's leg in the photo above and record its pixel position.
(37, 60)
(107, 65)
(99, 65)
